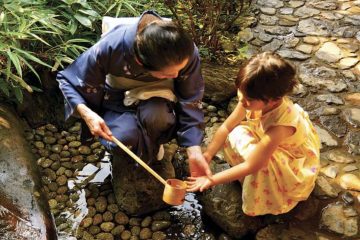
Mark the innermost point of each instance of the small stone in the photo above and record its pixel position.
(94, 230)
(160, 225)
(125, 235)
(97, 219)
(268, 11)
(107, 226)
(350, 182)
(135, 230)
(113, 208)
(84, 150)
(305, 48)
(350, 168)
(330, 171)
(134, 221)
(145, 233)
(347, 63)
(348, 198)
(353, 98)
(108, 216)
(146, 222)
(52, 203)
(86, 222)
(121, 218)
(329, 52)
(104, 236)
(158, 235)
(117, 230)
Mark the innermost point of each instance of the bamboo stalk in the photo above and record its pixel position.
(137, 159)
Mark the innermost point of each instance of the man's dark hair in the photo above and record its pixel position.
(266, 76)
(161, 44)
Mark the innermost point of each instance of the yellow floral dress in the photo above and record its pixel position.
(291, 172)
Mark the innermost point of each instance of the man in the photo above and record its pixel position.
(106, 86)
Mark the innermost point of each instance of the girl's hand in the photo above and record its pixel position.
(207, 157)
(198, 166)
(198, 183)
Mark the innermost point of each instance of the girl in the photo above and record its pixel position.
(268, 140)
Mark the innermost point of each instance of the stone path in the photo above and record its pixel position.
(323, 39)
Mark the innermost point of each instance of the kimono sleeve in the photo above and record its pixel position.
(189, 88)
(83, 81)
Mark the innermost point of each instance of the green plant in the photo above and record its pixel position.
(49, 33)
(206, 20)
(20, 29)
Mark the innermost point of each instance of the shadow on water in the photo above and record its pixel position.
(187, 220)
(90, 174)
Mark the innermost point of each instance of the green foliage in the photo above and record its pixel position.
(49, 34)
(206, 20)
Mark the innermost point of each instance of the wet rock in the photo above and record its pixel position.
(107, 226)
(330, 99)
(292, 54)
(329, 52)
(268, 20)
(348, 198)
(340, 156)
(330, 171)
(314, 27)
(146, 222)
(219, 78)
(272, 46)
(160, 225)
(350, 182)
(350, 168)
(305, 48)
(265, 37)
(323, 188)
(352, 141)
(352, 116)
(116, 231)
(325, 137)
(158, 235)
(268, 11)
(277, 30)
(104, 236)
(270, 3)
(245, 35)
(223, 205)
(347, 63)
(334, 124)
(333, 218)
(145, 233)
(125, 235)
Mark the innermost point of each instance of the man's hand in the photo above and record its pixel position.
(198, 183)
(197, 163)
(96, 124)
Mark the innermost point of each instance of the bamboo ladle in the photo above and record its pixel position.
(175, 189)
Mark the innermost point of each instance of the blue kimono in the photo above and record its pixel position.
(150, 123)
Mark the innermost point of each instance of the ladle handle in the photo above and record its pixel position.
(137, 159)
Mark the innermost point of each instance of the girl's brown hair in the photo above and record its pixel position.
(266, 76)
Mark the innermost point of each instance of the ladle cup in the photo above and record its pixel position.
(175, 189)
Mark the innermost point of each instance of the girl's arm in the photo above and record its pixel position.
(219, 138)
(256, 160)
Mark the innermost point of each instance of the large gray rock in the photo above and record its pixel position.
(24, 211)
(222, 204)
(138, 192)
(219, 81)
